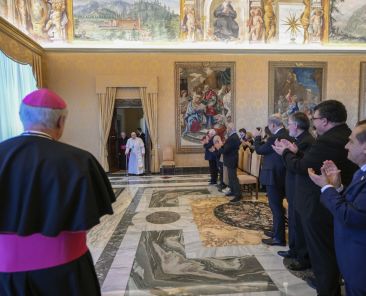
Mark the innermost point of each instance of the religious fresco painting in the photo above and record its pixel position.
(43, 20)
(348, 21)
(296, 86)
(187, 23)
(205, 99)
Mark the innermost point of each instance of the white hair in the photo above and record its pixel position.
(46, 117)
(276, 119)
(216, 139)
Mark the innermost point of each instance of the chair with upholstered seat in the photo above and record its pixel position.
(168, 163)
(252, 179)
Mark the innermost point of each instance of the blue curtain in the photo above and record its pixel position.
(16, 80)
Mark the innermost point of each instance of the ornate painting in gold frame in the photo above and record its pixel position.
(296, 86)
(204, 99)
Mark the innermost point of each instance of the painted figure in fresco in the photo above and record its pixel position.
(21, 14)
(269, 21)
(188, 25)
(227, 102)
(210, 100)
(57, 20)
(194, 115)
(225, 26)
(316, 22)
(38, 12)
(4, 8)
(255, 24)
(282, 104)
(305, 20)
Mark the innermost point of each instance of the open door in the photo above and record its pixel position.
(113, 145)
(127, 117)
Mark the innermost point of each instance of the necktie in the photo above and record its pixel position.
(357, 175)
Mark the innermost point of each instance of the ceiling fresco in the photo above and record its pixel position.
(190, 23)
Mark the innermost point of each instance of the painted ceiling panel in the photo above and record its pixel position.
(191, 24)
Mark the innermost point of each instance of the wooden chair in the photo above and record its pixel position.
(247, 157)
(252, 179)
(240, 170)
(168, 162)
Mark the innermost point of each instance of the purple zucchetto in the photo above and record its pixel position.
(44, 98)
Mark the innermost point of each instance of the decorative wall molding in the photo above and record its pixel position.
(17, 35)
(102, 82)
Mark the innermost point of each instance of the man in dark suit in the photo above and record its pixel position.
(349, 212)
(273, 176)
(329, 121)
(211, 156)
(140, 134)
(298, 126)
(230, 152)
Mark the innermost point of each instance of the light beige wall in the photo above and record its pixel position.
(72, 75)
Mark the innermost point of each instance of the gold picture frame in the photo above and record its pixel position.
(296, 86)
(204, 99)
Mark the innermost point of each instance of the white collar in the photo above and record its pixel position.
(37, 134)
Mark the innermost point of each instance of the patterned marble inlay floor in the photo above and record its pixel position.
(154, 244)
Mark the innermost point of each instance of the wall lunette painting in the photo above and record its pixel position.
(296, 86)
(204, 99)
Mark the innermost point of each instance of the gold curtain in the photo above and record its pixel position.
(150, 107)
(37, 69)
(106, 107)
(21, 49)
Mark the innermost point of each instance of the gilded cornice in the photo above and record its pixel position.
(20, 37)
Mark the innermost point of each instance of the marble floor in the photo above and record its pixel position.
(164, 239)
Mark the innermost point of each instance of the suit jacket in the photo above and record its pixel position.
(349, 212)
(304, 143)
(230, 151)
(208, 154)
(329, 146)
(273, 169)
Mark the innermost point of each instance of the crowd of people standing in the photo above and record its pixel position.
(326, 194)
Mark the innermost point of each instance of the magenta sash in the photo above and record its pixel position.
(26, 253)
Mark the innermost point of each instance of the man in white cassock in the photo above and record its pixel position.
(135, 150)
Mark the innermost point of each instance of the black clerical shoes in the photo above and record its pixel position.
(268, 233)
(273, 242)
(235, 200)
(286, 254)
(298, 266)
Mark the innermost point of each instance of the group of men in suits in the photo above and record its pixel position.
(290, 166)
(215, 149)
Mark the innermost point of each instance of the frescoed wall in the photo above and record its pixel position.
(43, 20)
(348, 21)
(183, 23)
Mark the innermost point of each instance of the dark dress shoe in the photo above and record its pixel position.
(268, 233)
(273, 242)
(235, 200)
(229, 194)
(298, 266)
(286, 254)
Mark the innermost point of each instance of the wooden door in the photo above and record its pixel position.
(112, 145)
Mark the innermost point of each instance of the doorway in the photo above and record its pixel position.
(128, 115)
